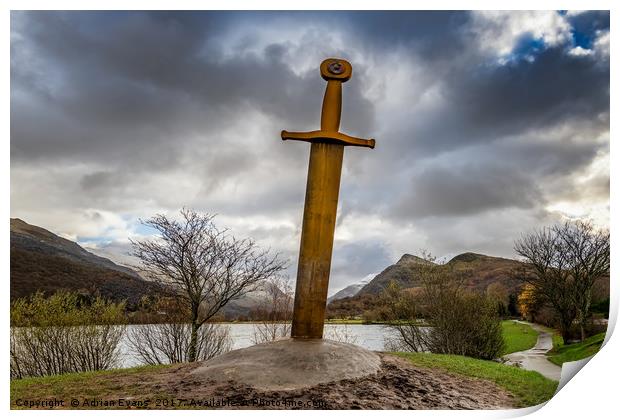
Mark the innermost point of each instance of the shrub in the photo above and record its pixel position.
(63, 334)
(455, 321)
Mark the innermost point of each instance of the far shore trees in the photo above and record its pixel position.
(203, 266)
(563, 263)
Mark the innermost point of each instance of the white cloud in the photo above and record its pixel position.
(578, 51)
(499, 32)
(601, 43)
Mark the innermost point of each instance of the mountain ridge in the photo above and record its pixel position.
(43, 261)
(478, 270)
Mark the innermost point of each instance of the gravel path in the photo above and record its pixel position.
(535, 358)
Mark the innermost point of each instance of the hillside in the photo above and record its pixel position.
(404, 272)
(41, 260)
(478, 271)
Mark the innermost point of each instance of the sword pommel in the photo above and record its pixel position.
(336, 69)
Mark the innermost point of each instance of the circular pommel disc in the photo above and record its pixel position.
(336, 69)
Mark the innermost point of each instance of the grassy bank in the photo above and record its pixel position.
(518, 336)
(528, 387)
(83, 385)
(572, 352)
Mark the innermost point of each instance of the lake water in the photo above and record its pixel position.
(371, 337)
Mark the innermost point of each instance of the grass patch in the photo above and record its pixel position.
(558, 341)
(572, 352)
(70, 385)
(528, 387)
(518, 336)
(344, 321)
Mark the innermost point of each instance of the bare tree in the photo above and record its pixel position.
(563, 263)
(156, 344)
(169, 342)
(204, 266)
(275, 312)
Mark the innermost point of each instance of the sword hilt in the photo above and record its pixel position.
(336, 72)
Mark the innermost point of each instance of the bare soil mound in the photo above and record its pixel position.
(397, 385)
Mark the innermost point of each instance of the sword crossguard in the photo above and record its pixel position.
(336, 71)
(328, 137)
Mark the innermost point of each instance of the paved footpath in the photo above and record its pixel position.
(534, 358)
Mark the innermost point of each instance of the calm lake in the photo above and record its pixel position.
(372, 337)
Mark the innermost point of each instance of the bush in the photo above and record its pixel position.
(455, 321)
(62, 334)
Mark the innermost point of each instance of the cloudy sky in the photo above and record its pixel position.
(487, 125)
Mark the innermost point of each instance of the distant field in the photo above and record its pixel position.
(518, 336)
(529, 387)
(577, 351)
(344, 321)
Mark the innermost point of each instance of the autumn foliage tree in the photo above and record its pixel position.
(527, 301)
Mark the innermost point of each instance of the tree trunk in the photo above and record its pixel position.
(193, 342)
(565, 329)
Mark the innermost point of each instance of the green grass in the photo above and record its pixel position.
(344, 321)
(518, 336)
(528, 387)
(571, 352)
(558, 341)
(65, 386)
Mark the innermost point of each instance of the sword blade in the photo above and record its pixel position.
(317, 239)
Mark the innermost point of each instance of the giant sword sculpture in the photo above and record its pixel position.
(323, 185)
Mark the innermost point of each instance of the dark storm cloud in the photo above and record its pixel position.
(467, 190)
(486, 103)
(508, 99)
(140, 79)
(435, 35)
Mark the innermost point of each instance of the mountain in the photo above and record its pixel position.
(348, 291)
(41, 260)
(477, 270)
(404, 272)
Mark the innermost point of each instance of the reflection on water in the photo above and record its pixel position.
(371, 337)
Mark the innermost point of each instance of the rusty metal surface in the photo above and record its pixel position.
(322, 189)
